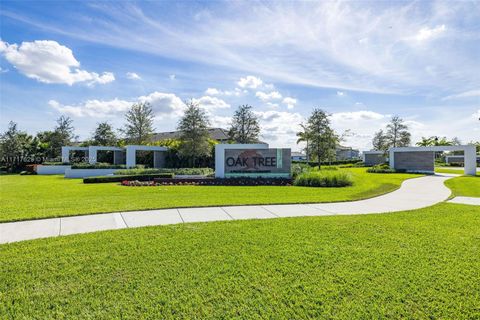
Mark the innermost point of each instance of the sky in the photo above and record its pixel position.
(363, 62)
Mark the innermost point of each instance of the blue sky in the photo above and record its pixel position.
(361, 61)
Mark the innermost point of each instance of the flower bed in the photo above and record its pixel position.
(213, 182)
(113, 178)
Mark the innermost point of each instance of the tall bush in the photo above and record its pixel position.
(327, 178)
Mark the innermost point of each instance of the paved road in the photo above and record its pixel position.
(413, 194)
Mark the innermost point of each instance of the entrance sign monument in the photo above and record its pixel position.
(251, 160)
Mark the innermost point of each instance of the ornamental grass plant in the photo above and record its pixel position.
(324, 178)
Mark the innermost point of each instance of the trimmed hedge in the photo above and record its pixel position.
(144, 177)
(99, 165)
(177, 171)
(326, 163)
(327, 178)
(383, 168)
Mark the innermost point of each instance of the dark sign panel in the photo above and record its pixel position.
(257, 162)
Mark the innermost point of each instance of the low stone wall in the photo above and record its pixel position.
(46, 170)
(374, 159)
(415, 161)
(85, 173)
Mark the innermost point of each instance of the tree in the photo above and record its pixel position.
(323, 138)
(14, 146)
(65, 131)
(397, 133)
(194, 133)
(380, 141)
(51, 142)
(104, 135)
(304, 136)
(425, 142)
(244, 127)
(139, 126)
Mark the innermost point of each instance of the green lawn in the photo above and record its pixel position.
(31, 197)
(449, 170)
(467, 186)
(422, 264)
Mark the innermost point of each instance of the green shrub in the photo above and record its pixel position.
(178, 171)
(55, 163)
(329, 178)
(299, 168)
(326, 168)
(27, 173)
(383, 168)
(98, 165)
(327, 163)
(353, 165)
(139, 177)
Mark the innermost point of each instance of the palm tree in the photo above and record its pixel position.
(304, 136)
(426, 142)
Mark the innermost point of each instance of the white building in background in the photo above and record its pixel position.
(298, 156)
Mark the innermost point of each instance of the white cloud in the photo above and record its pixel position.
(427, 33)
(279, 128)
(271, 105)
(476, 115)
(92, 108)
(340, 93)
(172, 77)
(217, 92)
(133, 76)
(466, 94)
(290, 102)
(212, 91)
(274, 95)
(373, 48)
(363, 125)
(211, 103)
(250, 82)
(357, 115)
(164, 105)
(50, 62)
(220, 121)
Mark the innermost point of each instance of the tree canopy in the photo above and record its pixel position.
(139, 123)
(194, 133)
(104, 135)
(322, 137)
(244, 127)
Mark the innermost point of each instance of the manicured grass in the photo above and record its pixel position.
(467, 186)
(454, 170)
(422, 264)
(30, 197)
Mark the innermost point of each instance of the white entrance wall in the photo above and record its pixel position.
(132, 151)
(220, 155)
(93, 150)
(66, 152)
(468, 150)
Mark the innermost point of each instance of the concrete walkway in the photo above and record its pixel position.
(413, 194)
(466, 200)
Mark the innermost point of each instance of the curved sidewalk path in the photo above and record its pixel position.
(413, 194)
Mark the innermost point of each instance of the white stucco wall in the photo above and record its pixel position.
(468, 150)
(45, 170)
(85, 173)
